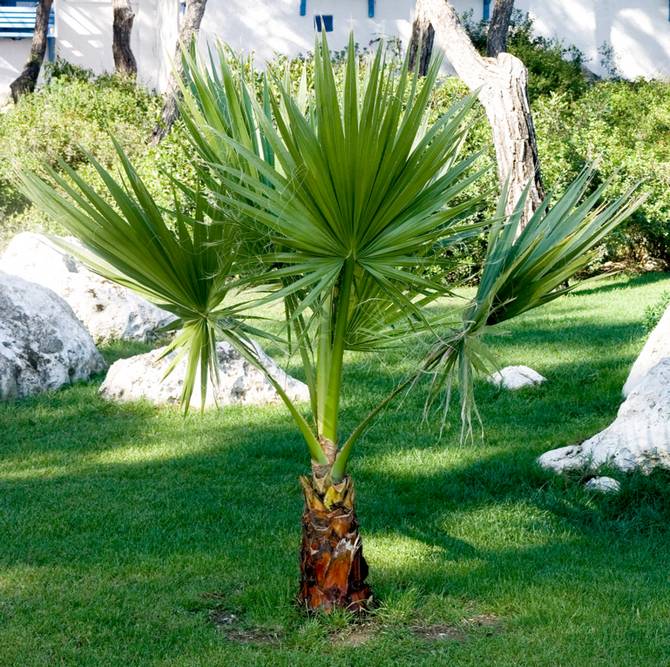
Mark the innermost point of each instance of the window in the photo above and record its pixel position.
(486, 14)
(323, 22)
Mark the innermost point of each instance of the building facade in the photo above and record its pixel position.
(636, 32)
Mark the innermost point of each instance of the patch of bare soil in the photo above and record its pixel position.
(459, 632)
(358, 634)
(490, 622)
(440, 632)
(230, 626)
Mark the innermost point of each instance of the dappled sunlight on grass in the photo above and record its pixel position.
(394, 554)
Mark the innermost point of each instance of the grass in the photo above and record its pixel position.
(132, 536)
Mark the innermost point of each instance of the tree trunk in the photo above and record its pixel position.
(502, 87)
(190, 25)
(124, 60)
(496, 40)
(27, 80)
(332, 567)
(421, 45)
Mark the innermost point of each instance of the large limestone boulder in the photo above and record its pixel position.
(42, 343)
(109, 311)
(516, 377)
(141, 377)
(639, 437)
(656, 348)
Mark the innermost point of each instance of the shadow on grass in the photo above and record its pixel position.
(601, 287)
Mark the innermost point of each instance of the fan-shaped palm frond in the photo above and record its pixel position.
(522, 273)
(358, 198)
(182, 260)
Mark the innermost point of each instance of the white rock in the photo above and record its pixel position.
(42, 343)
(639, 437)
(516, 377)
(140, 377)
(603, 485)
(656, 348)
(109, 311)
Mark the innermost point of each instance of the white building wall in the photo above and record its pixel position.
(269, 27)
(637, 30)
(13, 54)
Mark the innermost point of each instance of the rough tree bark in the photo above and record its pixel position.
(496, 39)
(421, 44)
(332, 566)
(502, 85)
(27, 80)
(124, 60)
(190, 25)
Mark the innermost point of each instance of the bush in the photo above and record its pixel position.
(654, 313)
(625, 125)
(72, 115)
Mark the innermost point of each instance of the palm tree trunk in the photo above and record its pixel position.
(332, 566)
(124, 60)
(27, 80)
(190, 25)
(502, 87)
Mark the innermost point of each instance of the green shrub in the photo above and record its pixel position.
(75, 113)
(653, 313)
(626, 125)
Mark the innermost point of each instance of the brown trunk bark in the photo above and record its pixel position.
(421, 45)
(190, 25)
(502, 87)
(496, 40)
(27, 80)
(124, 60)
(332, 566)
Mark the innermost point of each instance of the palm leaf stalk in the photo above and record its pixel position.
(333, 199)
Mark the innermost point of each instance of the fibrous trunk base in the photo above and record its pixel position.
(332, 567)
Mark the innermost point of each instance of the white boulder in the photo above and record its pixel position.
(141, 377)
(42, 343)
(603, 485)
(516, 377)
(109, 311)
(656, 348)
(639, 437)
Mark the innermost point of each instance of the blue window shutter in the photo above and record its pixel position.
(323, 22)
(371, 8)
(303, 7)
(487, 10)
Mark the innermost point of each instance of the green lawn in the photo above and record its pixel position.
(131, 536)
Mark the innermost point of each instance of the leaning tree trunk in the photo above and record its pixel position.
(190, 25)
(496, 39)
(502, 87)
(124, 60)
(332, 567)
(421, 45)
(27, 80)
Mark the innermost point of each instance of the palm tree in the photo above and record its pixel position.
(334, 200)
